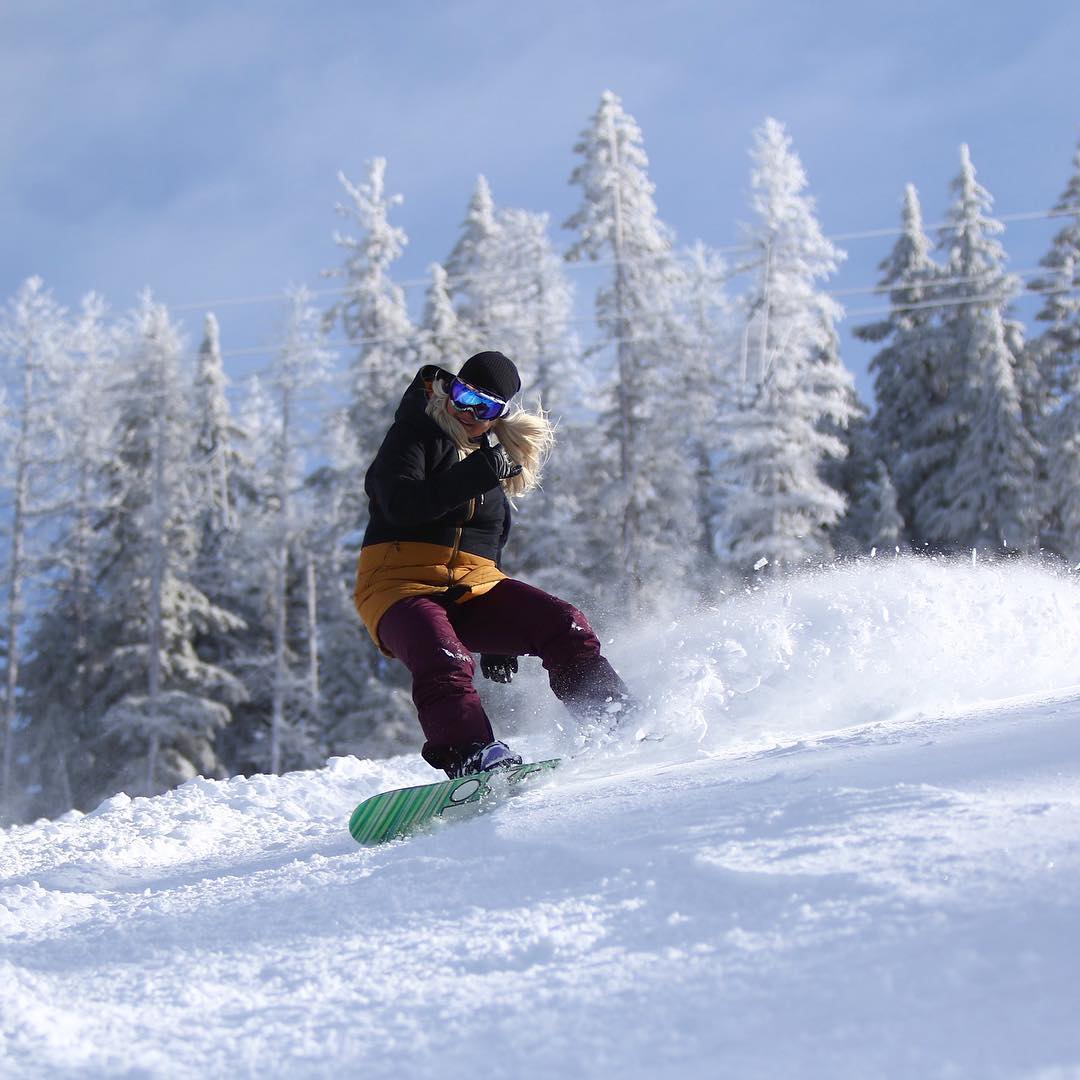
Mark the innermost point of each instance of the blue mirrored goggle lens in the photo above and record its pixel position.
(482, 406)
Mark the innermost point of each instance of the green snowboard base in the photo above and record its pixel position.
(397, 813)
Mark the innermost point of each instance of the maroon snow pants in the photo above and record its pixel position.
(436, 644)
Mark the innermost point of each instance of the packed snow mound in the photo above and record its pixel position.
(854, 644)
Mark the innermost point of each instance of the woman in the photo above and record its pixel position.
(429, 587)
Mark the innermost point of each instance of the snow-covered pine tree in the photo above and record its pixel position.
(472, 273)
(912, 423)
(218, 442)
(372, 309)
(710, 389)
(443, 339)
(373, 313)
(33, 346)
(987, 496)
(1057, 349)
(873, 519)
(1063, 479)
(795, 392)
(532, 311)
(159, 703)
(222, 499)
(301, 367)
(375, 318)
(887, 524)
(247, 652)
(640, 500)
(1056, 353)
(57, 692)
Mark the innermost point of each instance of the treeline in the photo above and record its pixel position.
(179, 561)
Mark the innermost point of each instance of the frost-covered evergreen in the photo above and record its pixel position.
(535, 307)
(444, 339)
(33, 347)
(386, 357)
(61, 731)
(795, 393)
(640, 500)
(472, 270)
(873, 520)
(372, 308)
(223, 501)
(1064, 471)
(986, 495)
(158, 702)
(913, 424)
(218, 442)
(302, 365)
(709, 389)
(530, 304)
(1057, 349)
(887, 523)
(1056, 352)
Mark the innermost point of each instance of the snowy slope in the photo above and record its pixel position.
(855, 851)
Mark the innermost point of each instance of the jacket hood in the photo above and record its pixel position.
(413, 406)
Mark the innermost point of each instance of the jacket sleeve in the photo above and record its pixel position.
(399, 483)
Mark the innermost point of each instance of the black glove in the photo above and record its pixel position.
(498, 668)
(502, 464)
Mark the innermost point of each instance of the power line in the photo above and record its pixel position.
(865, 234)
(1063, 290)
(418, 335)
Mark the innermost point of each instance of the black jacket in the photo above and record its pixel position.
(420, 492)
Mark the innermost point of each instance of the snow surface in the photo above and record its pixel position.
(850, 847)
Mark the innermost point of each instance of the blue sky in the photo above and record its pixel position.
(193, 147)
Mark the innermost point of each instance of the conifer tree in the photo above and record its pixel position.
(159, 702)
(1057, 349)
(61, 729)
(444, 340)
(223, 502)
(218, 441)
(33, 346)
(709, 389)
(642, 488)
(911, 425)
(887, 523)
(795, 393)
(302, 365)
(1056, 353)
(372, 308)
(1063, 433)
(473, 278)
(374, 316)
(985, 497)
(537, 305)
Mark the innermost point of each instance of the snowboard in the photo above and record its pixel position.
(392, 814)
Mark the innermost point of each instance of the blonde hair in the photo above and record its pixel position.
(527, 437)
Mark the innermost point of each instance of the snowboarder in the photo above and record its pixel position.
(429, 587)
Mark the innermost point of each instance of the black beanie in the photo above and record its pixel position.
(493, 372)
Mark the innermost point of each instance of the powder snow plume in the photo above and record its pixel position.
(854, 644)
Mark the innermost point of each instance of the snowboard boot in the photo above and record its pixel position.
(496, 755)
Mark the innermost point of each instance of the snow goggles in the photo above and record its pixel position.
(466, 398)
